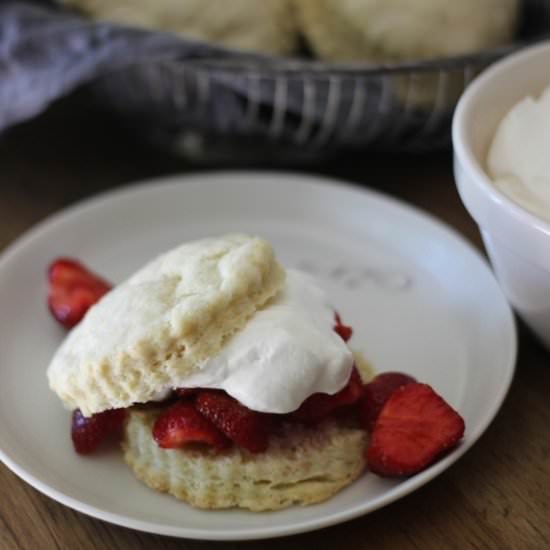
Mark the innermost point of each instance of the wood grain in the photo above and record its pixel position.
(496, 497)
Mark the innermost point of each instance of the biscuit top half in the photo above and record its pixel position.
(162, 323)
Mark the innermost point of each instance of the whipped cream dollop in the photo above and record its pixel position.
(284, 354)
(519, 156)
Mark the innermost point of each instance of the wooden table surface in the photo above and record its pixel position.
(497, 496)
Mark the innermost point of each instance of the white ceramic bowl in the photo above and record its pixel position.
(518, 243)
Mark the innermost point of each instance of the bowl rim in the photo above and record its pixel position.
(462, 144)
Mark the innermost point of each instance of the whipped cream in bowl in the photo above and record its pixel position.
(285, 353)
(501, 141)
(519, 157)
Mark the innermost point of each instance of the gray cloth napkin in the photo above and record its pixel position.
(46, 52)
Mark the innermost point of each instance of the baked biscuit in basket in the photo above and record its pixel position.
(384, 30)
(267, 26)
(389, 31)
(146, 335)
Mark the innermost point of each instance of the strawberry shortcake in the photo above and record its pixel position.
(230, 382)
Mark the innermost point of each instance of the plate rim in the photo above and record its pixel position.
(18, 245)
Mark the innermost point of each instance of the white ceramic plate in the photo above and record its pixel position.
(420, 300)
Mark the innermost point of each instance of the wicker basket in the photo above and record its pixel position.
(206, 101)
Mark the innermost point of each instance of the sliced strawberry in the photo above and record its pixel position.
(414, 428)
(88, 433)
(376, 393)
(319, 406)
(181, 424)
(344, 331)
(186, 392)
(246, 428)
(73, 290)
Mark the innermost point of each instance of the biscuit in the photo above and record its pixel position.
(301, 466)
(268, 26)
(150, 332)
(384, 30)
(391, 31)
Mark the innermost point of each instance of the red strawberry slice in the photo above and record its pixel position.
(246, 428)
(319, 406)
(186, 392)
(181, 424)
(414, 428)
(88, 433)
(344, 331)
(376, 393)
(73, 290)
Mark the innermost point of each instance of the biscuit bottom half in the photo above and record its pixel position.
(301, 466)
